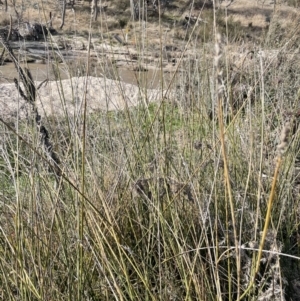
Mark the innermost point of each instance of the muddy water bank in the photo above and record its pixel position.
(107, 59)
(39, 72)
(63, 59)
(42, 71)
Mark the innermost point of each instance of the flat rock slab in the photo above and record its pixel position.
(67, 97)
(45, 46)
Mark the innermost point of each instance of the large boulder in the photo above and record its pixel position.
(26, 31)
(40, 30)
(33, 31)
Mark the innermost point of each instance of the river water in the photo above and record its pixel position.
(40, 72)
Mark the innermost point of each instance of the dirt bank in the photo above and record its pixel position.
(67, 97)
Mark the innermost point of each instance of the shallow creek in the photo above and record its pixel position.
(40, 72)
(43, 64)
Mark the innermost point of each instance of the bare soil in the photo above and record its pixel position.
(67, 97)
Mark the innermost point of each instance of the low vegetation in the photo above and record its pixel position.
(192, 197)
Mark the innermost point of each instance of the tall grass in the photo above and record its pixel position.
(177, 199)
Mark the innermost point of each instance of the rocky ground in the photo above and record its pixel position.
(101, 94)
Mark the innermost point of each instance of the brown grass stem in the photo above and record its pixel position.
(229, 193)
(266, 227)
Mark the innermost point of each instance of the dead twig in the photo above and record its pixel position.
(7, 39)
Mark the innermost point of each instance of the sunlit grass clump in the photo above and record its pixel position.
(190, 196)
